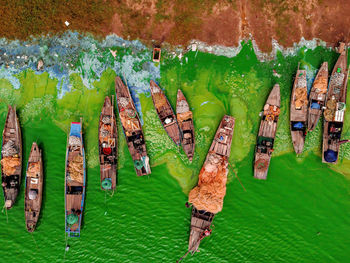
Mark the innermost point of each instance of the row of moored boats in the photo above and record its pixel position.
(207, 197)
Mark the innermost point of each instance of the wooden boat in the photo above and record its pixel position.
(267, 133)
(185, 120)
(298, 111)
(132, 128)
(335, 109)
(74, 180)
(11, 158)
(34, 187)
(108, 140)
(165, 113)
(156, 54)
(217, 159)
(317, 96)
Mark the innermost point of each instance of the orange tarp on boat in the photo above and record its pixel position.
(9, 165)
(209, 194)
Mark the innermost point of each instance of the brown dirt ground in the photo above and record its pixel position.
(179, 21)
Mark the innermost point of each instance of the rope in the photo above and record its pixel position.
(237, 177)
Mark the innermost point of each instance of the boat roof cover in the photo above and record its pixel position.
(209, 194)
(75, 129)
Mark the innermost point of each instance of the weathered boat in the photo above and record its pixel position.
(207, 197)
(132, 128)
(185, 121)
(156, 54)
(165, 113)
(108, 151)
(74, 180)
(34, 187)
(317, 96)
(298, 111)
(11, 158)
(335, 109)
(267, 133)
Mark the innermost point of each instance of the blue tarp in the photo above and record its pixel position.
(298, 125)
(330, 156)
(315, 105)
(75, 129)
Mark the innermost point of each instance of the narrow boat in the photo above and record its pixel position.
(132, 128)
(165, 113)
(185, 120)
(156, 54)
(335, 109)
(11, 158)
(298, 111)
(34, 187)
(317, 96)
(108, 151)
(74, 180)
(208, 196)
(267, 133)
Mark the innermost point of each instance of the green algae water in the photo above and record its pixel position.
(300, 214)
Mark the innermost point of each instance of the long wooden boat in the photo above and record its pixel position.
(74, 180)
(207, 197)
(34, 187)
(108, 148)
(165, 113)
(185, 120)
(335, 109)
(132, 128)
(11, 158)
(317, 96)
(267, 133)
(298, 111)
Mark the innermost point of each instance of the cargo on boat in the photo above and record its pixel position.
(317, 96)
(108, 151)
(335, 109)
(34, 187)
(208, 196)
(267, 134)
(132, 128)
(298, 111)
(185, 121)
(11, 158)
(74, 180)
(165, 113)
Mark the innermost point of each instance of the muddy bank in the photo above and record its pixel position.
(177, 22)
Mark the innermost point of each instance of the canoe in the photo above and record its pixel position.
(11, 158)
(335, 109)
(74, 180)
(108, 148)
(185, 121)
(132, 128)
(267, 134)
(207, 197)
(298, 111)
(165, 113)
(317, 96)
(34, 188)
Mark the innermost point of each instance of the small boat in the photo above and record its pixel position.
(335, 109)
(132, 128)
(298, 111)
(185, 120)
(165, 113)
(267, 133)
(11, 158)
(34, 187)
(108, 151)
(156, 54)
(317, 96)
(207, 197)
(74, 180)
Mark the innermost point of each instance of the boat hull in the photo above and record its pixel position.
(34, 188)
(11, 158)
(108, 150)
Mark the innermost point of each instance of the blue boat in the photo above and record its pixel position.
(74, 180)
